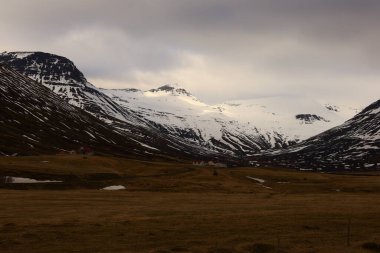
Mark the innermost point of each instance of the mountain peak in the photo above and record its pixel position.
(168, 87)
(171, 88)
(44, 67)
(61, 76)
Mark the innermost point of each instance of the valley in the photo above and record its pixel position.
(190, 126)
(177, 207)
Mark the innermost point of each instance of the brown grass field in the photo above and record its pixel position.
(174, 207)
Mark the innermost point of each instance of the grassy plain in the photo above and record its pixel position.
(177, 207)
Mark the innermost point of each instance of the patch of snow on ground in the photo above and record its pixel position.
(25, 180)
(261, 181)
(114, 188)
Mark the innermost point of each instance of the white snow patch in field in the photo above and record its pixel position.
(25, 180)
(259, 182)
(114, 188)
(257, 179)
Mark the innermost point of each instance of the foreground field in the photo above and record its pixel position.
(169, 207)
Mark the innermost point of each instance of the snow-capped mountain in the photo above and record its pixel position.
(61, 76)
(239, 127)
(354, 145)
(244, 126)
(33, 119)
(133, 135)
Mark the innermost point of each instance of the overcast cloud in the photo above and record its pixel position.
(218, 50)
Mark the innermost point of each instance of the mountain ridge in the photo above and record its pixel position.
(354, 145)
(235, 127)
(35, 120)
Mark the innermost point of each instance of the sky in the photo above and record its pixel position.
(218, 50)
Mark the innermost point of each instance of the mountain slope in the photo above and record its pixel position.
(60, 75)
(33, 120)
(245, 126)
(353, 145)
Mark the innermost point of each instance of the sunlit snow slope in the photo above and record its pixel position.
(244, 125)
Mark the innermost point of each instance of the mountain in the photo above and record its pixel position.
(354, 145)
(35, 120)
(171, 112)
(244, 126)
(60, 75)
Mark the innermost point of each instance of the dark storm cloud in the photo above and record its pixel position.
(242, 48)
